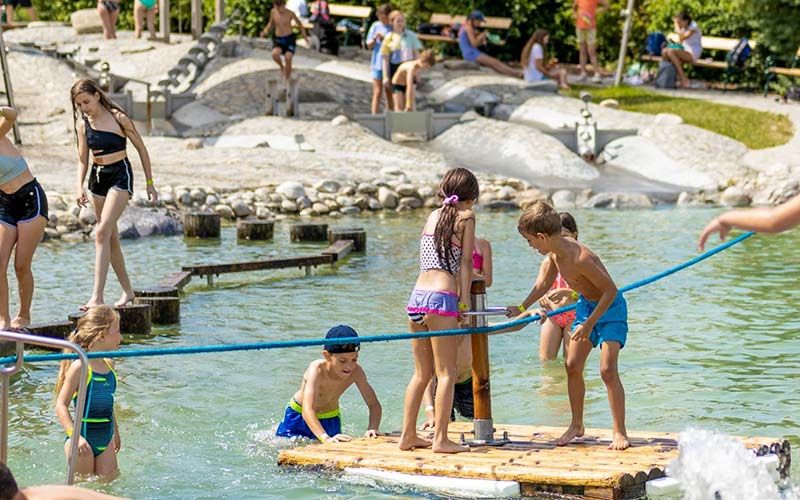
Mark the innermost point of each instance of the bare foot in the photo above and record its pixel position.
(92, 303)
(413, 442)
(447, 446)
(572, 432)
(620, 442)
(20, 322)
(125, 299)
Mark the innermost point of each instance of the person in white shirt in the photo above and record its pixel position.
(532, 60)
(691, 41)
(299, 7)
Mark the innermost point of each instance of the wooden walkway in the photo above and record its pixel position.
(582, 469)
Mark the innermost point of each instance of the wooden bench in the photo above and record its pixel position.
(498, 23)
(771, 71)
(714, 43)
(348, 12)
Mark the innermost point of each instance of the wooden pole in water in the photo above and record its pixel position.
(201, 225)
(356, 234)
(483, 424)
(308, 232)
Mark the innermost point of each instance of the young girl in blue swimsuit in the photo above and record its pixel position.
(440, 296)
(98, 434)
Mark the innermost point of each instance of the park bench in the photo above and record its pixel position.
(771, 70)
(497, 23)
(347, 12)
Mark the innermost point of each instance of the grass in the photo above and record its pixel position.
(756, 129)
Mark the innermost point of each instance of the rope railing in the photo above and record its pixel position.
(284, 344)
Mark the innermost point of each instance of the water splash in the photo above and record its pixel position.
(714, 466)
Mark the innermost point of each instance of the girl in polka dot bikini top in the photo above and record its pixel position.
(446, 247)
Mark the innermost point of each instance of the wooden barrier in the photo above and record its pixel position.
(165, 301)
(358, 235)
(308, 232)
(56, 330)
(253, 230)
(201, 225)
(134, 319)
(260, 265)
(177, 279)
(340, 249)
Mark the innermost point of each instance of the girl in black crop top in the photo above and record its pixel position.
(102, 128)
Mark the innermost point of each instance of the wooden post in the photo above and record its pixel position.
(254, 230)
(197, 19)
(219, 11)
(163, 21)
(358, 235)
(480, 367)
(165, 301)
(201, 225)
(308, 232)
(55, 330)
(134, 319)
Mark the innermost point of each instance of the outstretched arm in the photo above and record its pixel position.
(371, 399)
(762, 220)
(547, 275)
(9, 117)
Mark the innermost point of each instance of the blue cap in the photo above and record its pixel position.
(476, 14)
(341, 332)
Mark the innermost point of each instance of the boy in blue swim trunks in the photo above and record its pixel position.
(601, 315)
(313, 411)
(284, 41)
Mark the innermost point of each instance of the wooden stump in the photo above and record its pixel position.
(358, 235)
(253, 230)
(165, 301)
(54, 330)
(309, 232)
(157, 291)
(134, 319)
(201, 225)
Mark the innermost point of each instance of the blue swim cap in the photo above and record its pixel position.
(341, 332)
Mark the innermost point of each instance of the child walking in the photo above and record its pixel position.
(284, 39)
(313, 411)
(601, 315)
(556, 329)
(439, 297)
(97, 433)
(404, 81)
(377, 32)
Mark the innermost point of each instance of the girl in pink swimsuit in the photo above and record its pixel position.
(482, 261)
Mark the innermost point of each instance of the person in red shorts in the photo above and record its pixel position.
(585, 12)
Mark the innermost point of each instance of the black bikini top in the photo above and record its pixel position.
(102, 142)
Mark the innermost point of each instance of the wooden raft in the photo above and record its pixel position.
(585, 469)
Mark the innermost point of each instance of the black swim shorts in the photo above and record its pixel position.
(399, 88)
(285, 43)
(463, 400)
(118, 176)
(18, 3)
(24, 205)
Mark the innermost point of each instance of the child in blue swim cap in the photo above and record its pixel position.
(313, 411)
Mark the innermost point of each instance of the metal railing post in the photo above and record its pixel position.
(8, 371)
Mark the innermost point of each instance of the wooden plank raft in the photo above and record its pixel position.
(258, 265)
(586, 468)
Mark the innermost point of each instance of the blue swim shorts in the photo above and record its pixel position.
(377, 74)
(612, 325)
(293, 424)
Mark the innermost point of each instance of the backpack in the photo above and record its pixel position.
(739, 54)
(655, 42)
(667, 76)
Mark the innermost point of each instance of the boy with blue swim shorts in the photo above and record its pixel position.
(601, 315)
(313, 411)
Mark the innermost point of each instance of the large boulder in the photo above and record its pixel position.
(141, 222)
(619, 200)
(291, 190)
(86, 21)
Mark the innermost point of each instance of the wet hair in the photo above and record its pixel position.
(91, 327)
(8, 485)
(428, 57)
(89, 86)
(462, 183)
(384, 9)
(539, 218)
(684, 16)
(568, 222)
(537, 37)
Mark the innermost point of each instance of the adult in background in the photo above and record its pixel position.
(398, 46)
(103, 128)
(145, 9)
(23, 217)
(585, 12)
(470, 37)
(109, 12)
(689, 49)
(25, 4)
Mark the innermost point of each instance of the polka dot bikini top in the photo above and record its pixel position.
(429, 259)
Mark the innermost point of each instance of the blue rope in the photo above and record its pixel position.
(283, 344)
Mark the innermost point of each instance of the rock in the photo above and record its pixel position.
(212, 200)
(327, 186)
(332, 204)
(426, 191)
(303, 202)
(347, 190)
(460, 64)
(167, 197)
(69, 221)
(224, 211)
(407, 190)
(275, 198)
(339, 121)
(374, 204)
(263, 213)
(691, 200)
(185, 198)
(291, 190)
(391, 172)
(56, 204)
(619, 200)
(194, 143)
(563, 199)
(345, 201)
(501, 205)
(517, 184)
(138, 222)
(529, 197)
(262, 194)
(366, 188)
(289, 206)
(197, 194)
(777, 194)
(610, 103)
(85, 21)
(350, 210)
(140, 199)
(410, 202)
(52, 221)
(50, 234)
(87, 216)
(320, 208)
(663, 119)
(734, 196)
(387, 197)
(75, 237)
(241, 209)
(506, 193)
(307, 212)
(432, 203)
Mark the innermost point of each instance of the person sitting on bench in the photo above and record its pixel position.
(470, 38)
(691, 45)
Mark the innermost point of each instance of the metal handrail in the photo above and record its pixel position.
(7, 371)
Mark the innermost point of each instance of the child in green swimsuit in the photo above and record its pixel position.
(99, 441)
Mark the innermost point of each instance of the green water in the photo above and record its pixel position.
(716, 346)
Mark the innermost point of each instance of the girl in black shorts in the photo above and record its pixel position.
(103, 128)
(23, 217)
